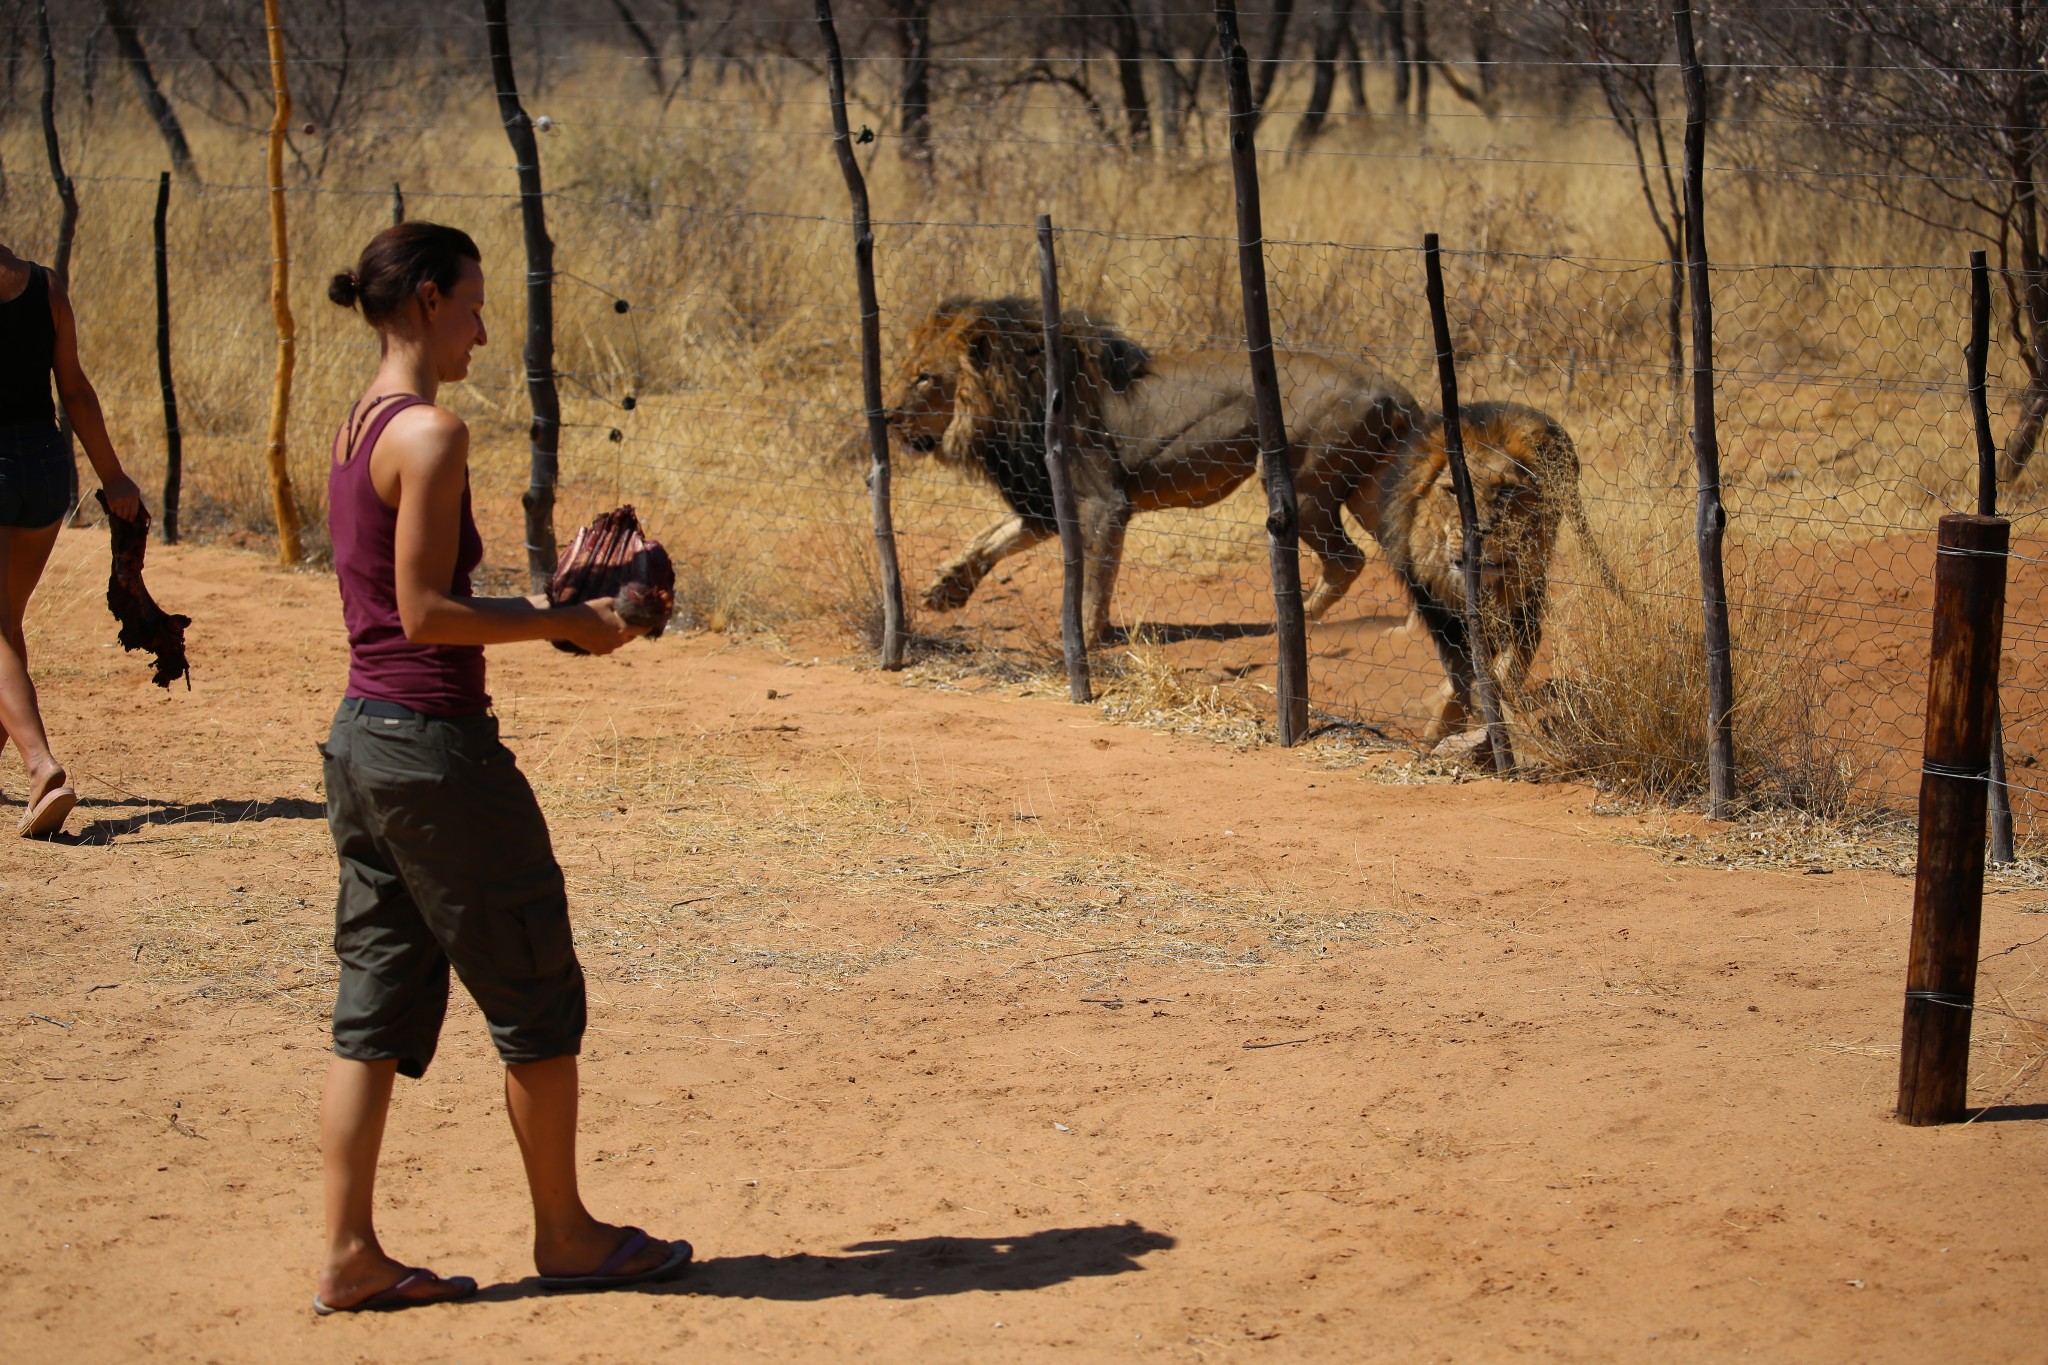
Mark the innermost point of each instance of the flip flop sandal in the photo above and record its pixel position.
(48, 815)
(394, 1298)
(607, 1276)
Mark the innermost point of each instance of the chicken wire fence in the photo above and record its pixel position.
(723, 398)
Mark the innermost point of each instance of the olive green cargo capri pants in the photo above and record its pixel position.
(445, 860)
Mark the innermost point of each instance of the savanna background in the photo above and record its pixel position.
(1857, 154)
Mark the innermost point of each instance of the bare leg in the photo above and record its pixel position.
(353, 1106)
(22, 557)
(542, 1099)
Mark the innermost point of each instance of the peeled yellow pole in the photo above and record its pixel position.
(289, 549)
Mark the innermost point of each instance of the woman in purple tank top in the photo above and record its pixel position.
(445, 859)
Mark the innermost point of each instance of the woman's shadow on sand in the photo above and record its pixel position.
(910, 1268)
(220, 812)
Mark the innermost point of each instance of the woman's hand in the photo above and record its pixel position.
(123, 497)
(596, 629)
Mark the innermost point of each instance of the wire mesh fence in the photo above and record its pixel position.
(724, 398)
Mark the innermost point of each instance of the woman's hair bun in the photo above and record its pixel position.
(342, 288)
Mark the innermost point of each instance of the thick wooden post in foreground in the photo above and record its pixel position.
(544, 435)
(1283, 515)
(174, 441)
(1059, 440)
(1948, 888)
(1474, 548)
(870, 350)
(1711, 519)
(1977, 359)
(285, 504)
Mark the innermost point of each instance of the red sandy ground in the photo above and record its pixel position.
(1569, 1100)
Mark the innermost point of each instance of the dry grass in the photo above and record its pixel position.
(714, 218)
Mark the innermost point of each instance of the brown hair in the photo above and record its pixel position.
(397, 262)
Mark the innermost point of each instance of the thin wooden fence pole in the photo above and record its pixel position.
(544, 432)
(1948, 885)
(174, 440)
(1977, 359)
(1474, 547)
(67, 198)
(289, 548)
(1712, 518)
(1283, 516)
(1059, 440)
(870, 349)
(397, 204)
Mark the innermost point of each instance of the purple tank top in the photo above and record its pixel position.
(439, 680)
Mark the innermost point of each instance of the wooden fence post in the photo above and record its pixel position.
(1059, 440)
(870, 349)
(174, 440)
(1712, 518)
(289, 548)
(1948, 885)
(1474, 548)
(544, 433)
(1977, 359)
(1283, 518)
(67, 197)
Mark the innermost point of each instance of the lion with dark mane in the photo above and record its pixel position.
(1157, 432)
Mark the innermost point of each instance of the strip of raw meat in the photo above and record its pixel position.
(611, 558)
(144, 624)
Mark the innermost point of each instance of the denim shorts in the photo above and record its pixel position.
(35, 475)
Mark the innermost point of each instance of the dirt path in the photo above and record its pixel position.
(960, 1026)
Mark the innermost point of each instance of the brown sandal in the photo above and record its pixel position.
(48, 815)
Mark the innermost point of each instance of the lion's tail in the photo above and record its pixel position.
(1575, 513)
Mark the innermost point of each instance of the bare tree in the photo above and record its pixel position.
(1939, 112)
(643, 40)
(911, 26)
(1126, 44)
(1333, 27)
(1623, 46)
(128, 42)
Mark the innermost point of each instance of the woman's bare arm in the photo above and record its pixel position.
(82, 404)
(428, 450)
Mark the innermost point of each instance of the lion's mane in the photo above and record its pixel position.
(996, 350)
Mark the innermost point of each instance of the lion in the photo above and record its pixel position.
(1150, 433)
(1525, 481)
(1163, 432)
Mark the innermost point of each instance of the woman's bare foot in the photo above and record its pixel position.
(44, 780)
(50, 799)
(367, 1273)
(591, 1245)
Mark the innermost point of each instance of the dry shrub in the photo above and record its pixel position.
(1625, 704)
(1143, 686)
(727, 596)
(850, 593)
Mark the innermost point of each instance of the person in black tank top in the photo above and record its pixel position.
(39, 338)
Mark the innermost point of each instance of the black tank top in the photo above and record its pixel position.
(28, 348)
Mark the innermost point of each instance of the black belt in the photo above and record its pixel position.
(391, 710)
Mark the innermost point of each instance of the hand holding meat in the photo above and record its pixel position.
(599, 627)
(630, 579)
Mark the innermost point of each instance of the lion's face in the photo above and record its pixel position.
(923, 407)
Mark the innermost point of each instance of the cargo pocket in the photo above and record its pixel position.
(530, 939)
